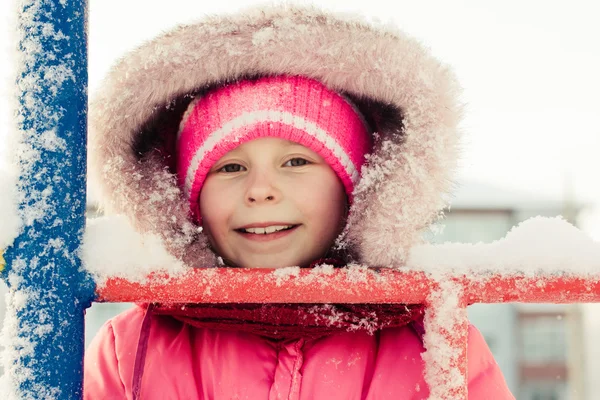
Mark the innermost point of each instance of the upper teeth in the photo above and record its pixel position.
(268, 229)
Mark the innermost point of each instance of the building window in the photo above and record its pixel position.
(543, 390)
(474, 226)
(543, 340)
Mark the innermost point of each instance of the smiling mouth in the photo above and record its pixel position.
(268, 230)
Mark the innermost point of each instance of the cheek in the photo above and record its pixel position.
(213, 209)
(325, 203)
(334, 209)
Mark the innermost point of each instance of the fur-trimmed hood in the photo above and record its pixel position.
(409, 97)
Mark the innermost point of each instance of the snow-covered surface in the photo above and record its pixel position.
(283, 274)
(539, 246)
(112, 248)
(444, 317)
(321, 275)
(536, 247)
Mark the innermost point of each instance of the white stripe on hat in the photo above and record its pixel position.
(261, 116)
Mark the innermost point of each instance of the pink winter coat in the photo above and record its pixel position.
(184, 362)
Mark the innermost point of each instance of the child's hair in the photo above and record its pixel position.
(294, 108)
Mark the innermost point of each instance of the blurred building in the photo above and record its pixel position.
(539, 347)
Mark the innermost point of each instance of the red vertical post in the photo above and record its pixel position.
(446, 340)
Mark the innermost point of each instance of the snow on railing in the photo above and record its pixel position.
(541, 261)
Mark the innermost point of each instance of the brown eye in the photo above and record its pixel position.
(231, 168)
(296, 162)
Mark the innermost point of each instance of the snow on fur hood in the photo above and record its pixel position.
(409, 97)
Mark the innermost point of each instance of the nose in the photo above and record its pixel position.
(262, 189)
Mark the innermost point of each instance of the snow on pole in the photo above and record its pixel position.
(446, 326)
(48, 290)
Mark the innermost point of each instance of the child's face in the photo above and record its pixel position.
(271, 182)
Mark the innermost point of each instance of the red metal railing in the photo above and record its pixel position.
(226, 285)
(363, 285)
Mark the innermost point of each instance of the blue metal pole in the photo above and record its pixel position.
(48, 290)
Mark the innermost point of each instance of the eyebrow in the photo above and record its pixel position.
(293, 144)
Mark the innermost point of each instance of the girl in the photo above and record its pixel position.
(278, 137)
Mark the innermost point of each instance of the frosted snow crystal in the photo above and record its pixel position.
(283, 274)
(323, 270)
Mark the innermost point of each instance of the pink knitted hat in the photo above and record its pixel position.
(298, 109)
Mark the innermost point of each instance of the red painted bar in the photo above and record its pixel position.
(358, 285)
(353, 285)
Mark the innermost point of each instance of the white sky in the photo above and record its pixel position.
(529, 71)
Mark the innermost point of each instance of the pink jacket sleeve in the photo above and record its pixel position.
(485, 378)
(101, 368)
